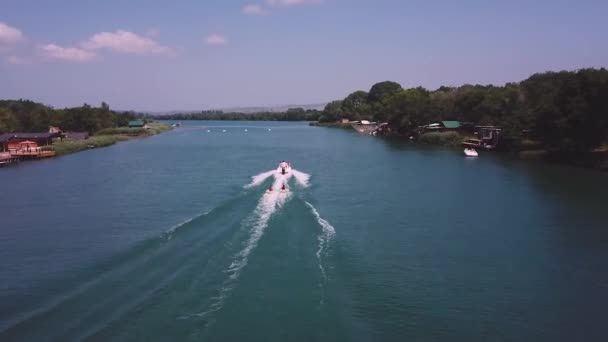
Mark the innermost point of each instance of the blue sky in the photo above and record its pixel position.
(192, 54)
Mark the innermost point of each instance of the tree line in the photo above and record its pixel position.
(292, 114)
(566, 110)
(32, 117)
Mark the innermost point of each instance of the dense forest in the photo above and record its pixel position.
(28, 116)
(292, 114)
(565, 111)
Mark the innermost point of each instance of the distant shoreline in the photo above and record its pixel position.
(109, 137)
(597, 159)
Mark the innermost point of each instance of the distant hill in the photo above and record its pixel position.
(248, 110)
(283, 108)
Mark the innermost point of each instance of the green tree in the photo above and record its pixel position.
(8, 122)
(383, 91)
(409, 109)
(570, 109)
(355, 106)
(332, 112)
(378, 97)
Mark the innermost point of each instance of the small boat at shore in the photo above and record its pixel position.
(470, 152)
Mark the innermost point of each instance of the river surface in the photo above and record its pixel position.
(169, 238)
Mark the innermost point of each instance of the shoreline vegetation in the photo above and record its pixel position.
(556, 116)
(551, 116)
(529, 150)
(108, 137)
(561, 113)
(332, 125)
(76, 129)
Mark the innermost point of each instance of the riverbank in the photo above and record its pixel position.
(524, 150)
(331, 125)
(528, 150)
(108, 137)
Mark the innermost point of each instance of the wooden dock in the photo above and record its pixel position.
(7, 159)
(36, 153)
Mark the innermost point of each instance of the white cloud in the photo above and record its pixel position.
(9, 34)
(254, 10)
(125, 42)
(291, 3)
(67, 54)
(216, 40)
(118, 41)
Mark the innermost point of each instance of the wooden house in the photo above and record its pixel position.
(33, 145)
(488, 137)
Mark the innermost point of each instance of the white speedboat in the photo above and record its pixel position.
(284, 168)
(470, 152)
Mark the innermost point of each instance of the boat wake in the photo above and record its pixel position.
(151, 265)
(301, 178)
(267, 206)
(327, 234)
(258, 222)
(199, 261)
(259, 179)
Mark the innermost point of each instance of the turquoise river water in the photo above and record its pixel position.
(172, 238)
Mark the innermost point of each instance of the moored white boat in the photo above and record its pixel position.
(470, 152)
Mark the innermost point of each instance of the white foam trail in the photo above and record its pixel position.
(267, 206)
(327, 234)
(328, 229)
(259, 179)
(302, 178)
(169, 233)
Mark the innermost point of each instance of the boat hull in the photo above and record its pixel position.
(470, 153)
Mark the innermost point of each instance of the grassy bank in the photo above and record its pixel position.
(107, 137)
(332, 125)
(133, 132)
(153, 128)
(73, 146)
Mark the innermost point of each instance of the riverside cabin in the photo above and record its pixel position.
(137, 124)
(488, 137)
(28, 145)
(446, 126)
